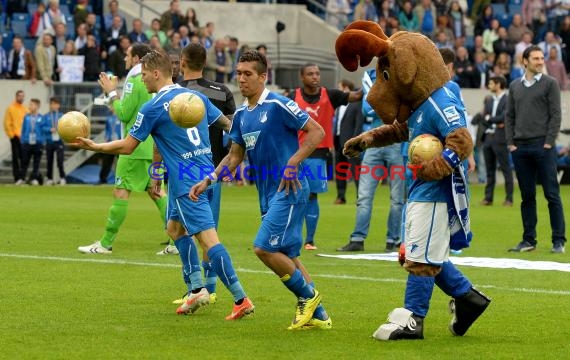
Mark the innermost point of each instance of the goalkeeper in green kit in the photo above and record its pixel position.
(132, 172)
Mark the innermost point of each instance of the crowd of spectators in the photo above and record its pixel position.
(104, 39)
(499, 31)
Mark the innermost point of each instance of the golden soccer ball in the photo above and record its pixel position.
(187, 110)
(73, 124)
(425, 146)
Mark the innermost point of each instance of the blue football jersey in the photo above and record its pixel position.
(186, 152)
(268, 132)
(441, 114)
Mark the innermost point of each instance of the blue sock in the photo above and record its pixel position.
(221, 263)
(312, 218)
(210, 276)
(451, 281)
(190, 262)
(297, 285)
(418, 294)
(320, 312)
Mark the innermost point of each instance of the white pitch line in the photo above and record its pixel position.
(252, 271)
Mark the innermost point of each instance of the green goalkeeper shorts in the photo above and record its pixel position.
(132, 174)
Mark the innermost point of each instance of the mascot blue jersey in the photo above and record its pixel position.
(186, 152)
(439, 115)
(268, 132)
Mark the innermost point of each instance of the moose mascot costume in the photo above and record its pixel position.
(410, 97)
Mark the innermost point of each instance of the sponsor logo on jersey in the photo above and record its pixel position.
(291, 105)
(129, 87)
(138, 121)
(250, 139)
(451, 114)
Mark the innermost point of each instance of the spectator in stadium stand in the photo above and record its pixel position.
(81, 38)
(45, 59)
(92, 59)
(80, 13)
(155, 43)
(112, 36)
(218, 62)
(483, 21)
(108, 18)
(138, 35)
(556, 68)
(408, 18)
(191, 21)
(55, 14)
(174, 43)
(21, 65)
(60, 37)
(92, 28)
(155, 30)
(171, 19)
(116, 62)
(39, 22)
(208, 35)
(517, 29)
(184, 36)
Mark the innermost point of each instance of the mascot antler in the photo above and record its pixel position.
(359, 43)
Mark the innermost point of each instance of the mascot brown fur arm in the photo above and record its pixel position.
(381, 136)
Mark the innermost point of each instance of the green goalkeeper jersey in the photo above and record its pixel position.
(127, 108)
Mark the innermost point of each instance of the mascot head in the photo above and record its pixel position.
(409, 67)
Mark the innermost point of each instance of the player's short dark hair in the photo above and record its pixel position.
(261, 46)
(194, 56)
(499, 79)
(347, 83)
(307, 65)
(158, 60)
(256, 57)
(448, 55)
(19, 92)
(54, 99)
(140, 49)
(528, 50)
(36, 101)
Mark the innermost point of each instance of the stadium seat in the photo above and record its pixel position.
(515, 2)
(64, 10)
(32, 8)
(515, 9)
(505, 20)
(2, 23)
(498, 9)
(19, 23)
(30, 43)
(70, 26)
(7, 41)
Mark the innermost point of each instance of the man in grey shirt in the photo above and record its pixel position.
(532, 124)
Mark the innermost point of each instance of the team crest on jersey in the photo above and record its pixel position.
(451, 114)
(263, 117)
(250, 139)
(291, 105)
(274, 240)
(129, 87)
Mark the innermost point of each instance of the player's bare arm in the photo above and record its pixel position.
(228, 164)
(315, 134)
(155, 189)
(124, 146)
(355, 95)
(224, 123)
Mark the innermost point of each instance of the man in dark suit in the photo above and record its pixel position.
(495, 143)
(348, 120)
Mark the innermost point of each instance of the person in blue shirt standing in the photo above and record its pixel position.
(32, 142)
(266, 128)
(54, 145)
(186, 154)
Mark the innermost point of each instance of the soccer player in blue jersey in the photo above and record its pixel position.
(266, 129)
(186, 154)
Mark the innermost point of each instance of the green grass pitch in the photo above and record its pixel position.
(56, 303)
